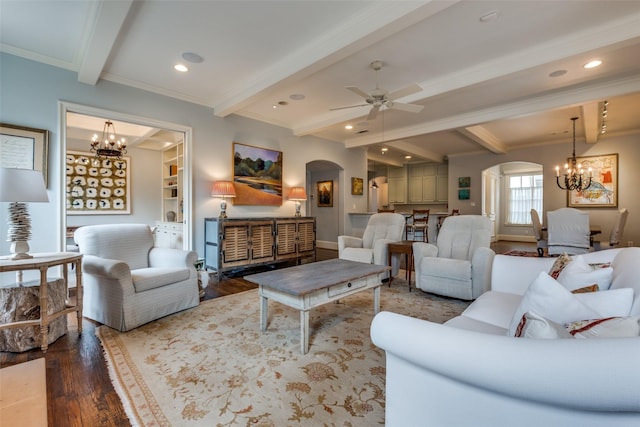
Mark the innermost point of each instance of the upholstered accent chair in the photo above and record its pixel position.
(381, 229)
(538, 232)
(459, 264)
(616, 231)
(568, 232)
(127, 281)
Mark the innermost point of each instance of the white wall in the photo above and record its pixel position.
(31, 93)
(627, 147)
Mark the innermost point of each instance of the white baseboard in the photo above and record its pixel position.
(323, 244)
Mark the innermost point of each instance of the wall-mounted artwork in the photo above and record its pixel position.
(464, 182)
(97, 187)
(24, 148)
(464, 194)
(357, 186)
(257, 175)
(603, 191)
(325, 194)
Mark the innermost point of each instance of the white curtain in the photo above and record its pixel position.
(525, 193)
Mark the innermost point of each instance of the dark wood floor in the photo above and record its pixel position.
(79, 391)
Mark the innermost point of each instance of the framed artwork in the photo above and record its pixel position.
(257, 175)
(464, 182)
(603, 191)
(357, 186)
(97, 187)
(463, 194)
(24, 148)
(325, 194)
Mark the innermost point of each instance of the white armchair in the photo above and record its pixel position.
(568, 231)
(381, 229)
(459, 264)
(127, 281)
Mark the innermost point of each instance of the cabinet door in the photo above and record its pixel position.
(234, 244)
(415, 189)
(262, 247)
(306, 236)
(442, 188)
(285, 239)
(397, 190)
(428, 189)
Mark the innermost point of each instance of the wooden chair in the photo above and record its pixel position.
(454, 212)
(420, 224)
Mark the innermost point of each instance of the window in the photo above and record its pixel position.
(524, 193)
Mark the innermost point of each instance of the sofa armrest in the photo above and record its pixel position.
(421, 250)
(104, 267)
(524, 369)
(481, 263)
(348, 242)
(169, 257)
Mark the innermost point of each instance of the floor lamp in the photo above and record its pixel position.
(19, 186)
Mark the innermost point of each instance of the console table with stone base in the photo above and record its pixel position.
(306, 286)
(33, 314)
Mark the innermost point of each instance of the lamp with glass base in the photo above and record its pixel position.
(298, 194)
(223, 190)
(19, 186)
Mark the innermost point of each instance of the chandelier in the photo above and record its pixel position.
(109, 145)
(573, 173)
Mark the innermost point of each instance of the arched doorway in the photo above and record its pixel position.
(329, 220)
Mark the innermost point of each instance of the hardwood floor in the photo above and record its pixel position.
(79, 391)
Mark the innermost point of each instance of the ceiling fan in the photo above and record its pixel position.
(380, 97)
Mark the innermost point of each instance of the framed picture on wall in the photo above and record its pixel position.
(257, 175)
(464, 182)
(325, 194)
(24, 148)
(603, 191)
(357, 186)
(464, 194)
(97, 187)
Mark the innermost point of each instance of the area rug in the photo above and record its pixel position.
(211, 365)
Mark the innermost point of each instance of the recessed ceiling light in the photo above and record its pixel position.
(274, 106)
(558, 73)
(192, 57)
(297, 96)
(407, 157)
(180, 67)
(384, 150)
(348, 127)
(593, 63)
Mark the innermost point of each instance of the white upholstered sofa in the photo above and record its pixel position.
(127, 281)
(469, 372)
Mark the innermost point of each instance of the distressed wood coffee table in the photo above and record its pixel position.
(306, 286)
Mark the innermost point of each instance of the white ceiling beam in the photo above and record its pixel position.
(110, 17)
(591, 123)
(377, 22)
(372, 155)
(414, 150)
(561, 99)
(484, 138)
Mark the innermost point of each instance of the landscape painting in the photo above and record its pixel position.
(257, 174)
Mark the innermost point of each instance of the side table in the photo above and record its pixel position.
(404, 247)
(42, 262)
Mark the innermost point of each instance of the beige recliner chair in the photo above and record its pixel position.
(381, 229)
(129, 282)
(459, 264)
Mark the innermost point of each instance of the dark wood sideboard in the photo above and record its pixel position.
(238, 243)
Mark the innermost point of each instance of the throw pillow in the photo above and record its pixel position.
(559, 264)
(533, 325)
(612, 327)
(578, 273)
(551, 300)
(611, 303)
(586, 289)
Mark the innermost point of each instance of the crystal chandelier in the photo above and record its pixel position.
(109, 145)
(574, 178)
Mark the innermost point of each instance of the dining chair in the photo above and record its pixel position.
(538, 232)
(568, 231)
(616, 232)
(420, 224)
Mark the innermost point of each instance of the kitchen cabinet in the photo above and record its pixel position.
(397, 184)
(428, 183)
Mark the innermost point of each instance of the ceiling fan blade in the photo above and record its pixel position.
(411, 108)
(351, 106)
(405, 91)
(373, 112)
(358, 91)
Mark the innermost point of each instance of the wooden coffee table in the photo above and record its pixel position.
(306, 286)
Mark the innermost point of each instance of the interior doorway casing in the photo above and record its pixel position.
(66, 107)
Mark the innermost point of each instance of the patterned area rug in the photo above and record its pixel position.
(211, 365)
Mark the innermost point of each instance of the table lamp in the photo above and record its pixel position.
(223, 189)
(298, 194)
(19, 186)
